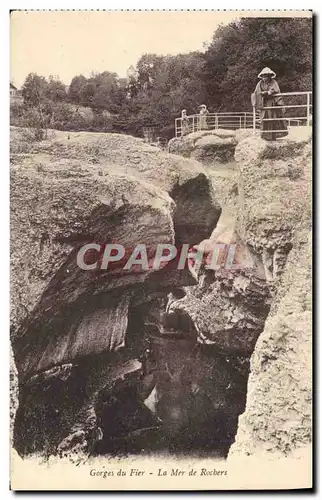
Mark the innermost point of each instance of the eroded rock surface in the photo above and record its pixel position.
(275, 220)
(269, 216)
(120, 361)
(69, 326)
(274, 196)
(277, 419)
(60, 204)
(207, 146)
(14, 393)
(229, 309)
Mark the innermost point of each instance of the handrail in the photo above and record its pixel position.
(307, 117)
(241, 119)
(294, 93)
(226, 119)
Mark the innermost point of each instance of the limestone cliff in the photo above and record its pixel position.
(59, 202)
(275, 186)
(263, 307)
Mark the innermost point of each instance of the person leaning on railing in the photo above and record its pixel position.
(184, 122)
(265, 95)
(203, 112)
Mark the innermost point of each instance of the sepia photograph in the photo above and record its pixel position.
(161, 250)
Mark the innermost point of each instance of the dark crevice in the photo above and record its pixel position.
(195, 216)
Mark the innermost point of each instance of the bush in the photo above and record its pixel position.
(37, 121)
(16, 113)
(60, 116)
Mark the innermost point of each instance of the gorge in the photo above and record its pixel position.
(116, 362)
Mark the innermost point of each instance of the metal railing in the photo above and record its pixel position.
(305, 119)
(231, 120)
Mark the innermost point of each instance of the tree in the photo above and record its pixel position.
(241, 49)
(148, 67)
(56, 90)
(223, 77)
(105, 90)
(34, 89)
(100, 91)
(166, 85)
(76, 89)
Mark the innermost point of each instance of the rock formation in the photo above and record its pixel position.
(69, 326)
(121, 361)
(207, 146)
(275, 187)
(267, 301)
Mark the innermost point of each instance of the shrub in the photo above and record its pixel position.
(37, 121)
(60, 116)
(16, 113)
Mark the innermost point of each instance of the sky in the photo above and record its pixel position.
(67, 43)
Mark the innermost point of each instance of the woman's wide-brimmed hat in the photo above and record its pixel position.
(267, 71)
(202, 106)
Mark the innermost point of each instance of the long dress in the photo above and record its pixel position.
(203, 119)
(270, 129)
(185, 125)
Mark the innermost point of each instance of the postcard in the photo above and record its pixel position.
(161, 297)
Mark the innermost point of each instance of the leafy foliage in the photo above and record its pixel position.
(241, 49)
(34, 89)
(161, 86)
(224, 76)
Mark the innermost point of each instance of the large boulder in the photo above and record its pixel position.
(68, 324)
(229, 309)
(274, 196)
(230, 303)
(207, 146)
(59, 203)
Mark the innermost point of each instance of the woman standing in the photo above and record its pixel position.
(266, 95)
(185, 127)
(203, 112)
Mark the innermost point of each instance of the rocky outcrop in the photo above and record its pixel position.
(69, 326)
(275, 222)
(61, 203)
(264, 306)
(207, 146)
(273, 187)
(229, 309)
(277, 419)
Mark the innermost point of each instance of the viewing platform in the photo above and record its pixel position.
(297, 113)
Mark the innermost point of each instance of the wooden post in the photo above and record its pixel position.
(254, 120)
